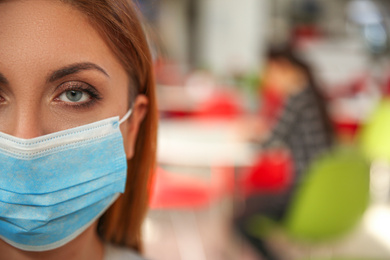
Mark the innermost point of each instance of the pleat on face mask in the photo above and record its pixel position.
(55, 186)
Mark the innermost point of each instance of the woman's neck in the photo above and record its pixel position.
(86, 246)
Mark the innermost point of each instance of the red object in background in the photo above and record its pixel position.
(176, 114)
(221, 105)
(271, 172)
(349, 89)
(174, 191)
(272, 103)
(346, 127)
(386, 87)
(304, 33)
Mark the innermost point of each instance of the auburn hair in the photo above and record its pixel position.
(119, 24)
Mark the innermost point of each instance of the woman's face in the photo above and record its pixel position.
(276, 77)
(57, 72)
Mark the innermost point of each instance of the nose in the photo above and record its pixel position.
(27, 124)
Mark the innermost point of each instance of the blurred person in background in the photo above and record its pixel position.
(302, 128)
(78, 131)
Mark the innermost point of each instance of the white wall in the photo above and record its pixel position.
(173, 29)
(232, 34)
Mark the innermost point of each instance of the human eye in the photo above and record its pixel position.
(3, 98)
(77, 94)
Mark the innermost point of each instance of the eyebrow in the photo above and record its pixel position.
(72, 69)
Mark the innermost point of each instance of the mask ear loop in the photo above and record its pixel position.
(126, 116)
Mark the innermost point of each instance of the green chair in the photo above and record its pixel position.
(374, 137)
(330, 201)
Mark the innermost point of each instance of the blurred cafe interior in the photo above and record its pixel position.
(215, 79)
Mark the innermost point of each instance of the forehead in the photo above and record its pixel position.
(49, 32)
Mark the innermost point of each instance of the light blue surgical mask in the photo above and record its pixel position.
(55, 186)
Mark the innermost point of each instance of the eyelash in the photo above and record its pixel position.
(94, 95)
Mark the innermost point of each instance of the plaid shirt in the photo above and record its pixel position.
(301, 128)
